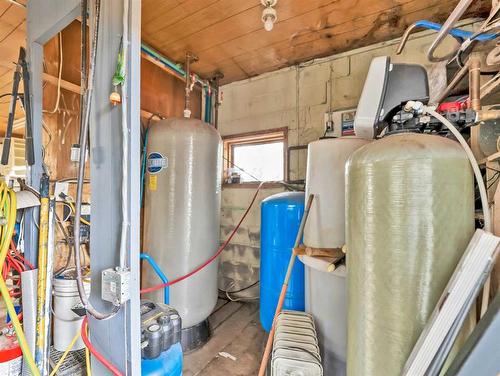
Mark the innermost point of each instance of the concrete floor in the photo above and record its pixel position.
(236, 331)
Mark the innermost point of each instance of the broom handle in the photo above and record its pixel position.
(269, 344)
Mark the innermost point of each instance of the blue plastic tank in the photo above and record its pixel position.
(169, 363)
(280, 220)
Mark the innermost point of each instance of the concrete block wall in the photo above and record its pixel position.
(296, 97)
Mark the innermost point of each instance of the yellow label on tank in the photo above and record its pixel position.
(153, 182)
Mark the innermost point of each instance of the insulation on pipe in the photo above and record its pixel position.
(410, 216)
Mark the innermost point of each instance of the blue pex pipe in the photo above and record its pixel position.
(166, 62)
(457, 33)
(156, 55)
(159, 273)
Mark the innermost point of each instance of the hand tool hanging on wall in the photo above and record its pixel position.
(284, 288)
(21, 72)
(44, 274)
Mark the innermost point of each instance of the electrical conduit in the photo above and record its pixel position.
(125, 134)
(81, 173)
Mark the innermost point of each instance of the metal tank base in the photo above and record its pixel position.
(195, 336)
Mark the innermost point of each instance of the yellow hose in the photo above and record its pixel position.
(9, 212)
(17, 326)
(9, 206)
(87, 361)
(66, 352)
(84, 221)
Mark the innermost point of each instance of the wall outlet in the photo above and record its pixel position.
(329, 123)
(61, 187)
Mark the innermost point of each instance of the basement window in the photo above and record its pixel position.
(251, 158)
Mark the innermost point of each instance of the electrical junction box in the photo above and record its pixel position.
(115, 286)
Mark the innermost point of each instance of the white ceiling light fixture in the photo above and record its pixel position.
(269, 15)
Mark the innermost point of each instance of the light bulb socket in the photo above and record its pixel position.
(269, 3)
(269, 15)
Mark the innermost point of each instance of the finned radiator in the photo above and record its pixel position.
(295, 346)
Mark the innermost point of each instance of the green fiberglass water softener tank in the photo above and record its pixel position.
(410, 216)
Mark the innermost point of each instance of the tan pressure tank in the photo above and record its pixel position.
(410, 216)
(181, 218)
(325, 228)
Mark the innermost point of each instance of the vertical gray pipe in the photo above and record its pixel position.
(29, 280)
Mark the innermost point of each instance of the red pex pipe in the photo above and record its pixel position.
(211, 259)
(115, 371)
(85, 338)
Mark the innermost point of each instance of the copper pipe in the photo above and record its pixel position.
(487, 115)
(475, 82)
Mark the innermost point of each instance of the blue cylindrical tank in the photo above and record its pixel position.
(169, 363)
(280, 221)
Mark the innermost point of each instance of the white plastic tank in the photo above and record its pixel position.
(325, 228)
(326, 159)
(181, 213)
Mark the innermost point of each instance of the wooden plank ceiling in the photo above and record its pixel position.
(228, 35)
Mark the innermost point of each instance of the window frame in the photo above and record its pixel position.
(254, 138)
